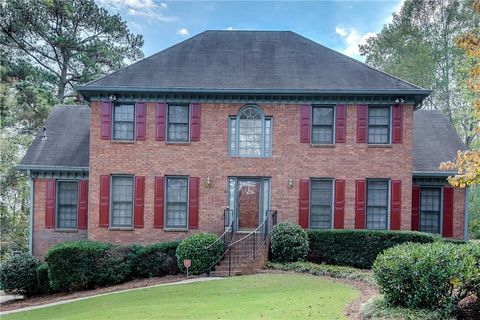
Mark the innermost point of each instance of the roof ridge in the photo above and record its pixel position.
(358, 62)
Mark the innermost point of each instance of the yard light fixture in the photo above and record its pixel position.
(290, 183)
(209, 182)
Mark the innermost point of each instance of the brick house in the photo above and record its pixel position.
(247, 120)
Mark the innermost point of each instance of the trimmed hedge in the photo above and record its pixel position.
(195, 249)
(18, 274)
(81, 265)
(43, 281)
(431, 276)
(358, 248)
(289, 243)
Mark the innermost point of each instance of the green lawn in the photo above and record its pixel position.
(267, 296)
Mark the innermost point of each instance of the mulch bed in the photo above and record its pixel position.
(39, 300)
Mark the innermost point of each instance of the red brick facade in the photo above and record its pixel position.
(208, 158)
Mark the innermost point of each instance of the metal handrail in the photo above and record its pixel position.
(228, 228)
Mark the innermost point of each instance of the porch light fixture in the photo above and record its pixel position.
(290, 183)
(208, 183)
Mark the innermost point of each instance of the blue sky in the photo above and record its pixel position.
(340, 25)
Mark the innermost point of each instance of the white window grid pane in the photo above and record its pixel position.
(178, 123)
(233, 136)
(323, 116)
(177, 202)
(321, 204)
(178, 114)
(178, 132)
(123, 122)
(67, 204)
(377, 205)
(322, 134)
(379, 125)
(122, 201)
(430, 207)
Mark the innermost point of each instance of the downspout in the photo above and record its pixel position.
(30, 234)
(465, 216)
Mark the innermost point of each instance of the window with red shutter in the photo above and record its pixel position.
(104, 201)
(304, 203)
(415, 208)
(397, 123)
(362, 120)
(139, 202)
(305, 121)
(339, 211)
(395, 204)
(341, 123)
(106, 120)
(447, 212)
(82, 204)
(50, 203)
(159, 207)
(141, 120)
(161, 121)
(195, 122)
(193, 193)
(360, 204)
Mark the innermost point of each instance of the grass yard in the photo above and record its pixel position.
(267, 296)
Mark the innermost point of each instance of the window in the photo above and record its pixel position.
(177, 203)
(123, 121)
(178, 127)
(377, 204)
(122, 201)
(430, 207)
(321, 204)
(322, 125)
(379, 125)
(250, 134)
(67, 204)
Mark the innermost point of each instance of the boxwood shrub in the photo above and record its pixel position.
(358, 248)
(43, 280)
(18, 274)
(289, 243)
(195, 249)
(431, 276)
(154, 260)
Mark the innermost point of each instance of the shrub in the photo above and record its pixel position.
(155, 260)
(202, 249)
(43, 280)
(430, 276)
(358, 248)
(18, 274)
(289, 243)
(75, 265)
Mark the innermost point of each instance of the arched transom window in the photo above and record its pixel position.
(250, 133)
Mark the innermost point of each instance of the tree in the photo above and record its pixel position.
(467, 163)
(73, 41)
(419, 46)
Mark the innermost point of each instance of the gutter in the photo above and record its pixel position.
(51, 168)
(30, 234)
(433, 173)
(465, 216)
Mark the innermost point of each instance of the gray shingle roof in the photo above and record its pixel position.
(267, 61)
(68, 140)
(434, 141)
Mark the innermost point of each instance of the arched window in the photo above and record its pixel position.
(250, 133)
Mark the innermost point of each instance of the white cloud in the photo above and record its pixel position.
(183, 32)
(230, 28)
(396, 10)
(353, 39)
(140, 8)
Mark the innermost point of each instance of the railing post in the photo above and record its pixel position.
(229, 262)
(254, 236)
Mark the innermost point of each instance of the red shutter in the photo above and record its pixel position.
(362, 120)
(161, 121)
(360, 203)
(397, 123)
(106, 125)
(305, 115)
(193, 193)
(104, 201)
(195, 122)
(304, 203)
(395, 204)
(82, 204)
(141, 114)
(415, 208)
(139, 202)
(50, 204)
(447, 212)
(158, 211)
(339, 212)
(341, 123)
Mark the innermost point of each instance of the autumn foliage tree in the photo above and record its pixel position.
(467, 163)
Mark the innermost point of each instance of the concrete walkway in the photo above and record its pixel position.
(7, 297)
(108, 293)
